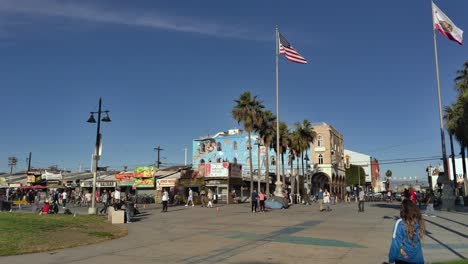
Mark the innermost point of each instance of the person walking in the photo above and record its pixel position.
(210, 199)
(261, 198)
(326, 200)
(190, 198)
(165, 200)
(320, 200)
(430, 205)
(105, 202)
(407, 234)
(254, 199)
(361, 200)
(203, 198)
(64, 199)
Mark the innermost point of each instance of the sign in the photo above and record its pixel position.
(144, 182)
(104, 184)
(3, 182)
(31, 179)
(86, 184)
(125, 178)
(15, 185)
(145, 172)
(48, 176)
(236, 171)
(166, 182)
(217, 169)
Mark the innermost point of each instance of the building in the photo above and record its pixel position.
(327, 161)
(369, 164)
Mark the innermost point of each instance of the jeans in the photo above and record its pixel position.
(430, 209)
(164, 206)
(262, 205)
(104, 209)
(254, 206)
(64, 202)
(361, 206)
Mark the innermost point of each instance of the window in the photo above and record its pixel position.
(202, 161)
(235, 160)
(218, 146)
(218, 160)
(235, 145)
(319, 141)
(273, 162)
(202, 147)
(320, 159)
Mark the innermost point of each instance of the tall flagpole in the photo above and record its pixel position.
(442, 134)
(278, 189)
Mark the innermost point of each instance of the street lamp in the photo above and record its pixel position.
(96, 156)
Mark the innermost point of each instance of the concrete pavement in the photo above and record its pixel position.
(233, 234)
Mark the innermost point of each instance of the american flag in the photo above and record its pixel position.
(289, 52)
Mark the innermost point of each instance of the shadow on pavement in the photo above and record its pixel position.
(389, 206)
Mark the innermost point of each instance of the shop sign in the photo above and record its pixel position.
(217, 169)
(86, 184)
(236, 171)
(144, 182)
(15, 185)
(125, 178)
(3, 182)
(31, 179)
(166, 182)
(103, 184)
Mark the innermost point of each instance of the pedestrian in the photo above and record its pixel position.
(254, 199)
(190, 198)
(210, 199)
(430, 205)
(261, 198)
(361, 200)
(64, 199)
(389, 196)
(165, 199)
(202, 198)
(407, 234)
(326, 200)
(88, 198)
(320, 200)
(105, 202)
(413, 196)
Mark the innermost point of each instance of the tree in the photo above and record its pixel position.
(353, 173)
(248, 112)
(461, 110)
(266, 131)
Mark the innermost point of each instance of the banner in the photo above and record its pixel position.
(125, 178)
(31, 179)
(48, 176)
(3, 182)
(144, 182)
(145, 172)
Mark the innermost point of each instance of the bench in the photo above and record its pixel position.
(18, 203)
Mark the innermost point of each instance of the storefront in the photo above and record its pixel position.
(53, 180)
(223, 179)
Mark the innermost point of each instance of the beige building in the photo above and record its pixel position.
(327, 163)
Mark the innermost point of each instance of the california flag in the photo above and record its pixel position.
(445, 26)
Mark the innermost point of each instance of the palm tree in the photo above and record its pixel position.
(247, 111)
(451, 117)
(461, 131)
(266, 131)
(294, 144)
(308, 136)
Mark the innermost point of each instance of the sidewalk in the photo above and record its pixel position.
(233, 234)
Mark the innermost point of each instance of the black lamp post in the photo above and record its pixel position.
(96, 156)
(306, 175)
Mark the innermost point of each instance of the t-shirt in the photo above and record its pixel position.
(117, 195)
(261, 197)
(165, 197)
(361, 196)
(64, 195)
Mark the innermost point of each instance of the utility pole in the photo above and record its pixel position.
(158, 162)
(185, 163)
(29, 161)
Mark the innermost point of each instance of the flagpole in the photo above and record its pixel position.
(278, 189)
(442, 134)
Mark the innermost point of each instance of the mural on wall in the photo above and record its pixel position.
(233, 149)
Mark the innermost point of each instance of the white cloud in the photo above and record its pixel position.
(102, 14)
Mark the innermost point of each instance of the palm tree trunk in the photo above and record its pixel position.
(462, 152)
(291, 178)
(454, 170)
(303, 171)
(282, 167)
(250, 165)
(267, 171)
(259, 168)
(298, 176)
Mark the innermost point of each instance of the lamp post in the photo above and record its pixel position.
(96, 156)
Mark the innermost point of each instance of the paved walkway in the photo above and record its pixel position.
(232, 234)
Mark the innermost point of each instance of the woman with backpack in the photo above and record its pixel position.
(407, 235)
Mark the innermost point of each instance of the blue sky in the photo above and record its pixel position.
(169, 72)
